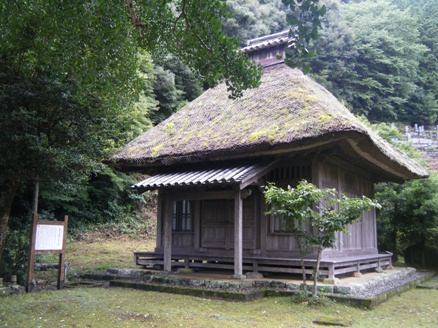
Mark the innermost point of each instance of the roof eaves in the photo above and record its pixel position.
(244, 172)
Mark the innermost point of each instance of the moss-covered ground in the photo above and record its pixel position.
(111, 307)
(121, 307)
(99, 254)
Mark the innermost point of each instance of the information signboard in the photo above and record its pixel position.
(48, 237)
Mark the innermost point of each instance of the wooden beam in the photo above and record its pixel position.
(203, 195)
(257, 175)
(167, 242)
(238, 242)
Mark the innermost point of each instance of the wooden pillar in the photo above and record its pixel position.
(167, 242)
(238, 243)
(160, 219)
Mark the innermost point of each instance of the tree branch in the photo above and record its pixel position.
(183, 13)
(135, 21)
(189, 27)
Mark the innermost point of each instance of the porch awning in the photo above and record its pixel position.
(241, 173)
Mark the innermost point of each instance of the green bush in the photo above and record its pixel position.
(15, 255)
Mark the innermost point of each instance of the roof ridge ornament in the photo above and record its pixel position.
(269, 49)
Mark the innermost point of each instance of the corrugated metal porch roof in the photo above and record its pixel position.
(236, 173)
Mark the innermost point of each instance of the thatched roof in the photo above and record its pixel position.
(288, 114)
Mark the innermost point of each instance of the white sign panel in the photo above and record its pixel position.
(49, 237)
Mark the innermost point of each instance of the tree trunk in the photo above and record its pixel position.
(394, 245)
(8, 189)
(303, 267)
(315, 274)
(36, 192)
(394, 224)
(423, 251)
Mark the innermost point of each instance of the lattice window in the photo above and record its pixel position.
(298, 172)
(182, 215)
(281, 224)
(283, 176)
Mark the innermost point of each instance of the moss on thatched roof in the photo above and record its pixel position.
(289, 112)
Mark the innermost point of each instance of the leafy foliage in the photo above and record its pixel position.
(136, 119)
(15, 255)
(325, 210)
(173, 85)
(305, 19)
(104, 199)
(69, 78)
(192, 31)
(424, 102)
(185, 79)
(255, 18)
(335, 55)
(386, 40)
(76, 81)
(409, 219)
(370, 55)
(62, 83)
(169, 96)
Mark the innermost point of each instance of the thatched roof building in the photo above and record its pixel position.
(288, 114)
(211, 159)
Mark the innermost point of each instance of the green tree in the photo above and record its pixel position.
(169, 96)
(370, 55)
(386, 67)
(174, 85)
(335, 53)
(304, 18)
(136, 118)
(291, 206)
(255, 18)
(423, 105)
(69, 70)
(185, 79)
(326, 211)
(61, 81)
(408, 222)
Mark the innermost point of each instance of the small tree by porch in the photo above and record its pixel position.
(325, 211)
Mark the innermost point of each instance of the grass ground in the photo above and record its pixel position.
(98, 254)
(117, 307)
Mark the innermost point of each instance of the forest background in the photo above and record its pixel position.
(378, 57)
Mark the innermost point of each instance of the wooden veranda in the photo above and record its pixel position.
(328, 268)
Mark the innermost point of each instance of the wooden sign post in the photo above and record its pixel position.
(47, 237)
